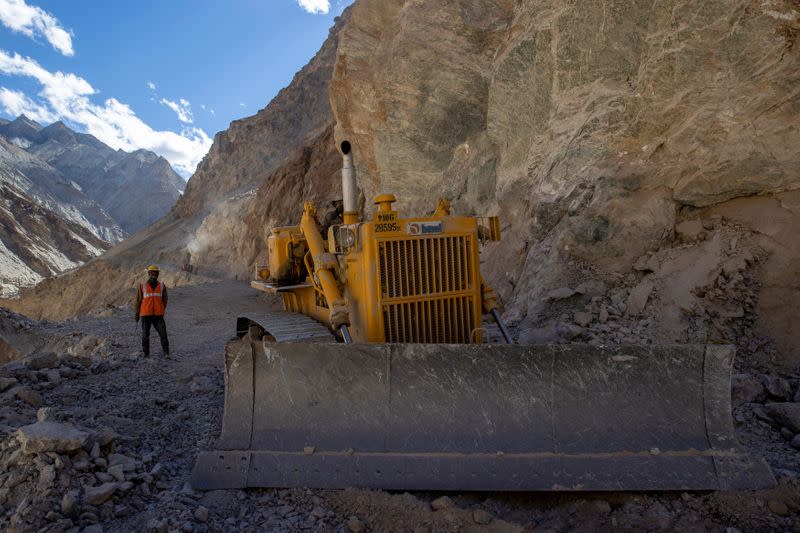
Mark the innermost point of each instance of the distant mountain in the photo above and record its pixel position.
(47, 225)
(66, 197)
(49, 188)
(23, 131)
(136, 189)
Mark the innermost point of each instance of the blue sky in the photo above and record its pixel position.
(159, 75)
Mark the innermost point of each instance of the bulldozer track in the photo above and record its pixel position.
(284, 326)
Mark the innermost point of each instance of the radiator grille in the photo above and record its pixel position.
(425, 266)
(448, 320)
(427, 289)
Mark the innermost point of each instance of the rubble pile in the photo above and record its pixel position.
(702, 287)
(55, 469)
(65, 475)
(95, 438)
(766, 412)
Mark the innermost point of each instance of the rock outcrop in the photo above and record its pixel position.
(593, 128)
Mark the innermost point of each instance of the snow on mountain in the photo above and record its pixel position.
(135, 188)
(65, 197)
(37, 241)
(47, 187)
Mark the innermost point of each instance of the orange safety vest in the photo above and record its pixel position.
(152, 300)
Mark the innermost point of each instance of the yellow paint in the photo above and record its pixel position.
(404, 280)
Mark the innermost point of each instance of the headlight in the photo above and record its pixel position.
(347, 238)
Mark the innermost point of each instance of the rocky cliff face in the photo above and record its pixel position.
(593, 128)
(642, 157)
(243, 156)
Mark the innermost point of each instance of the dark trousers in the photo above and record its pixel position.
(161, 327)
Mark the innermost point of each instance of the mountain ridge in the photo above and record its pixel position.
(66, 197)
(94, 166)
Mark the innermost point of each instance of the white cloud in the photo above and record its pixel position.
(34, 21)
(66, 97)
(151, 85)
(241, 104)
(182, 108)
(16, 103)
(315, 6)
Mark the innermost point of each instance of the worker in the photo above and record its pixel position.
(151, 304)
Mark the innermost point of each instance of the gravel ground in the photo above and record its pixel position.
(144, 421)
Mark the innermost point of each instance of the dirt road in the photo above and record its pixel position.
(164, 411)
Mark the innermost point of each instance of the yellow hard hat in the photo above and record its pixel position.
(153, 268)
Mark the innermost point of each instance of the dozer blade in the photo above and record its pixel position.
(472, 417)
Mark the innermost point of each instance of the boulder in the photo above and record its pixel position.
(53, 376)
(201, 514)
(41, 361)
(593, 288)
(29, 396)
(543, 335)
(102, 477)
(354, 525)
(7, 383)
(126, 463)
(69, 503)
(105, 436)
(637, 300)
(98, 495)
(777, 387)
(117, 471)
(568, 331)
(560, 294)
(690, 231)
(481, 517)
(646, 263)
(784, 414)
(443, 502)
(778, 507)
(86, 346)
(47, 436)
(46, 413)
(47, 475)
(583, 318)
(746, 389)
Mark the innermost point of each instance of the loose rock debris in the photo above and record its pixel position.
(112, 445)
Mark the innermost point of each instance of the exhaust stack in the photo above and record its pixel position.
(349, 187)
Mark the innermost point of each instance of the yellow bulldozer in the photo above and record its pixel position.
(381, 373)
